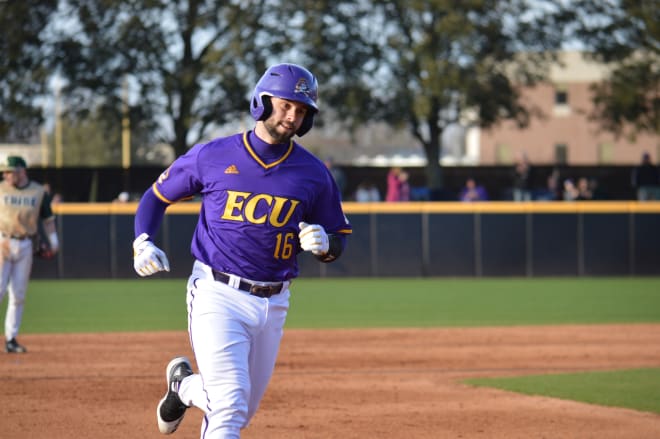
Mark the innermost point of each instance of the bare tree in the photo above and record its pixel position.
(187, 62)
(23, 71)
(430, 64)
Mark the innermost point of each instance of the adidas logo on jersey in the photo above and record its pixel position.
(231, 169)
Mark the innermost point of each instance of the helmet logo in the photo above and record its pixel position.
(303, 88)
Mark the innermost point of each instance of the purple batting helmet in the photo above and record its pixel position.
(286, 81)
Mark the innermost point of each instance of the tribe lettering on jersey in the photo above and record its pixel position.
(252, 203)
(21, 208)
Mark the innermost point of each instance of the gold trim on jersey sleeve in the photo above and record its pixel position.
(159, 195)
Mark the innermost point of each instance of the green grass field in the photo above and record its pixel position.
(638, 389)
(159, 304)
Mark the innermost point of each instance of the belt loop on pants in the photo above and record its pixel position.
(254, 289)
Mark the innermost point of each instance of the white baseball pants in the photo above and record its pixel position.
(16, 265)
(235, 338)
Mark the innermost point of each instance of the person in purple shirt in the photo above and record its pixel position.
(265, 199)
(473, 191)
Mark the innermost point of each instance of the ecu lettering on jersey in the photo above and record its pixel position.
(242, 206)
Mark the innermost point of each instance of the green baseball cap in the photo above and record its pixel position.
(13, 162)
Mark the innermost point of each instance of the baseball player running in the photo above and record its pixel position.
(24, 204)
(264, 199)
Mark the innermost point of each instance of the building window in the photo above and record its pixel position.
(561, 96)
(605, 153)
(502, 154)
(561, 107)
(561, 154)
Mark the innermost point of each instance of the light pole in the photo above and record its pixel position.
(58, 128)
(125, 128)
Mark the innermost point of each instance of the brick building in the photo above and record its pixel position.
(565, 135)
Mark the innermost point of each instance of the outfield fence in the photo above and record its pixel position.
(417, 239)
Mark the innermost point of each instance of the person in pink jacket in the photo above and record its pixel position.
(398, 188)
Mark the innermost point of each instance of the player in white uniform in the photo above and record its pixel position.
(23, 203)
(264, 200)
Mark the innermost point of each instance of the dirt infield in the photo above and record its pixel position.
(338, 384)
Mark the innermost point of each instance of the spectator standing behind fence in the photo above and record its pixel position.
(584, 192)
(472, 191)
(367, 192)
(646, 179)
(571, 192)
(398, 188)
(552, 191)
(522, 178)
(405, 186)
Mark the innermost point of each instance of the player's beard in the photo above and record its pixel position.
(273, 127)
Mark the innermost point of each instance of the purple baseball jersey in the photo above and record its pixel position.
(253, 197)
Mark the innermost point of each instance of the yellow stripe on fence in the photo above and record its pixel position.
(409, 207)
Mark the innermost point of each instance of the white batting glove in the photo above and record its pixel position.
(147, 258)
(313, 238)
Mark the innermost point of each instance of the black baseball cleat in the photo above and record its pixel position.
(13, 347)
(171, 409)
